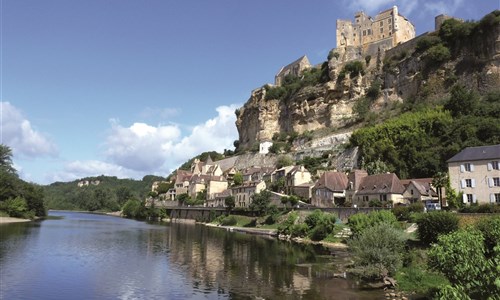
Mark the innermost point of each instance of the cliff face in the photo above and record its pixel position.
(406, 75)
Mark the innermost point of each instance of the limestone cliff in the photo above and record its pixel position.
(406, 74)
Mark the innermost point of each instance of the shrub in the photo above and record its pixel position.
(377, 251)
(490, 229)
(229, 221)
(299, 230)
(426, 42)
(374, 90)
(354, 68)
(333, 54)
(17, 207)
(460, 257)
(438, 53)
(285, 228)
(403, 213)
(360, 221)
(433, 224)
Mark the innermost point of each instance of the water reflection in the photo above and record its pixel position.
(88, 256)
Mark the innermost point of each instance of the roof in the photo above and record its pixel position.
(423, 187)
(227, 163)
(291, 65)
(477, 153)
(182, 175)
(380, 184)
(334, 181)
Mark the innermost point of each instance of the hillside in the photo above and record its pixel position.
(106, 193)
(452, 74)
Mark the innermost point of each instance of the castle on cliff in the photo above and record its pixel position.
(383, 32)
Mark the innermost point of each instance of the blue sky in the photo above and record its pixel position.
(129, 88)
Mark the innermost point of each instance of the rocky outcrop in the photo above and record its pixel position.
(407, 75)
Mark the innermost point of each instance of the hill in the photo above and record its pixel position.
(106, 193)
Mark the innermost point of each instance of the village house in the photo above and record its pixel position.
(330, 189)
(295, 177)
(419, 190)
(256, 173)
(264, 146)
(181, 185)
(475, 173)
(304, 191)
(218, 199)
(382, 187)
(243, 193)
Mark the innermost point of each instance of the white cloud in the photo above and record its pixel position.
(17, 133)
(371, 7)
(153, 149)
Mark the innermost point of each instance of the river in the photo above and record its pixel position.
(91, 256)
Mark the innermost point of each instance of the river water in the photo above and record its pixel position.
(90, 256)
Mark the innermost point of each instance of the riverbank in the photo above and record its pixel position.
(8, 220)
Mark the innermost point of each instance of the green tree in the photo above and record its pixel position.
(260, 202)
(163, 187)
(229, 202)
(440, 181)
(6, 159)
(436, 223)
(237, 179)
(462, 101)
(284, 161)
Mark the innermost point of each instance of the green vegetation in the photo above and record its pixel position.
(360, 222)
(17, 197)
(292, 84)
(204, 156)
(377, 251)
(433, 224)
(353, 68)
(317, 226)
(461, 257)
(109, 195)
(260, 202)
(417, 144)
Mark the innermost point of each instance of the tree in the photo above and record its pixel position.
(284, 161)
(237, 179)
(229, 202)
(462, 101)
(439, 181)
(6, 159)
(260, 202)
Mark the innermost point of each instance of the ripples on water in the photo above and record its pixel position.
(89, 256)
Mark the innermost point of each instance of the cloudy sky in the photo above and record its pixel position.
(129, 88)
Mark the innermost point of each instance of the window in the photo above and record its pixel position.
(411, 191)
(467, 167)
(381, 29)
(497, 197)
(383, 197)
(390, 21)
(365, 198)
(496, 181)
(470, 198)
(381, 23)
(493, 165)
(468, 182)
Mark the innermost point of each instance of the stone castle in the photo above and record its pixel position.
(383, 32)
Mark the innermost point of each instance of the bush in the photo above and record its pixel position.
(460, 257)
(299, 230)
(403, 213)
(426, 42)
(360, 221)
(17, 207)
(377, 251)
(490, 229)
(285, 228)
(433, 224)
(438, 53)
(229, 221)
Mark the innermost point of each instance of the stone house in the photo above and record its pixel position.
(419, 190)
(295, 177)
(386, 30)
(304, 191)
(295, 69)
(218, 199)
(383, 187)
(256, 173)
(181, 185)
(475, 173)
(243, 193)
(330, 189)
